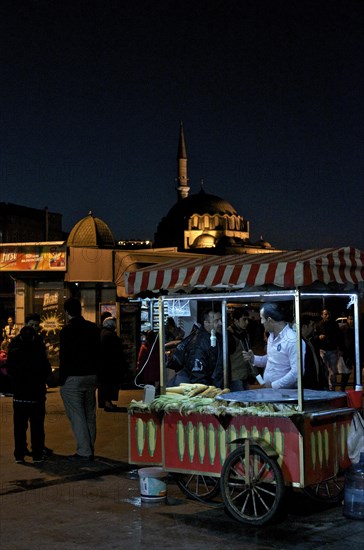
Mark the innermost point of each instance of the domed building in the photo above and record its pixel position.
(91, 232)
(204, 223)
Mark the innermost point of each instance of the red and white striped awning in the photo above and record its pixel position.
(282, 269)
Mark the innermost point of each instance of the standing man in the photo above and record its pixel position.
(329, 340)
(281, 360)
(314, 377)
(349, 351)
(79, 360)
(33, 320)
(238, 341)
(203, 360)
(29, 369)
(10, 330)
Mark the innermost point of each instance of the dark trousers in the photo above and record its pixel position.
(107, 391)
(33, 414)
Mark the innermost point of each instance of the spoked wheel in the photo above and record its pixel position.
(330, 490)
(252, 485)
(198, 487)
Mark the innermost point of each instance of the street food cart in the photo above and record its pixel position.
(250, 445)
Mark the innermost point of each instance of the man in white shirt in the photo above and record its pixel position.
(281, 360)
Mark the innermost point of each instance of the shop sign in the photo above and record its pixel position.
(37, 257)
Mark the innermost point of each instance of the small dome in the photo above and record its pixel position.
(91, 231)
(204, 241)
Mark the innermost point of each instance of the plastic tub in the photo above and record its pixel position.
(153, 487)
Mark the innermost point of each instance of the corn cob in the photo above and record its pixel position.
(196, 391)
(207, 391)
(226, 390)
(152, 436)
(176, 389)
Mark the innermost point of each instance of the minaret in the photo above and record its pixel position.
(182, 178)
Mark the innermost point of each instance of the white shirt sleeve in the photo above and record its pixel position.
(260, 361)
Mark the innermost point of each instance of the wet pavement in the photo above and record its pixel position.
(97, 505)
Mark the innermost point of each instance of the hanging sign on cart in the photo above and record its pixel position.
(179, 308)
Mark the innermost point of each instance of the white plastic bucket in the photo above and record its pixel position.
(152, 484)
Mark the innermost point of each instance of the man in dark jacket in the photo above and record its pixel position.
(239, 341)
(314, 376)
(29, 369)
(79, 361)
(329, 339)
(203, 359)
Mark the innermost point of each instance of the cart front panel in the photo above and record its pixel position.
(325, 446)
(199, 443)
(145, 438)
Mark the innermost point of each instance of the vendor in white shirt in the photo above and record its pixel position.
(281, 360)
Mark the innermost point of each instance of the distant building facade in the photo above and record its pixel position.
(23, 224)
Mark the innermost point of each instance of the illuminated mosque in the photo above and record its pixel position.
(204, 223)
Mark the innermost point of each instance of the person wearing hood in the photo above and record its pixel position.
(112, 365)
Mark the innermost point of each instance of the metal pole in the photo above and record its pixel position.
(297, 300)
(224, 343)
(358, 380)
(162, 365)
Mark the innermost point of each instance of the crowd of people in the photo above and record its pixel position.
(327, 350)
(91, 363)
(90, 359)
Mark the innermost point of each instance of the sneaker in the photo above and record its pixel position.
(38, 459)
(20, 460)
(79, 458)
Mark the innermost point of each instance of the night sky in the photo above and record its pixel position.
(270, 94)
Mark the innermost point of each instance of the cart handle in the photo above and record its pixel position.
(335, 412)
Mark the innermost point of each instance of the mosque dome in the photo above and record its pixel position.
(170, 228)
(92, 232)
(201, 203)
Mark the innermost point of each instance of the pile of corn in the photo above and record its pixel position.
(200, 398)
(193, 390)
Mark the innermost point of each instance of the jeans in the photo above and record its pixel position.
(329, 358)
(79, 398)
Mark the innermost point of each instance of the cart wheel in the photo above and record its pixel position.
(198, 487)
(330, 490)
(252, 496)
